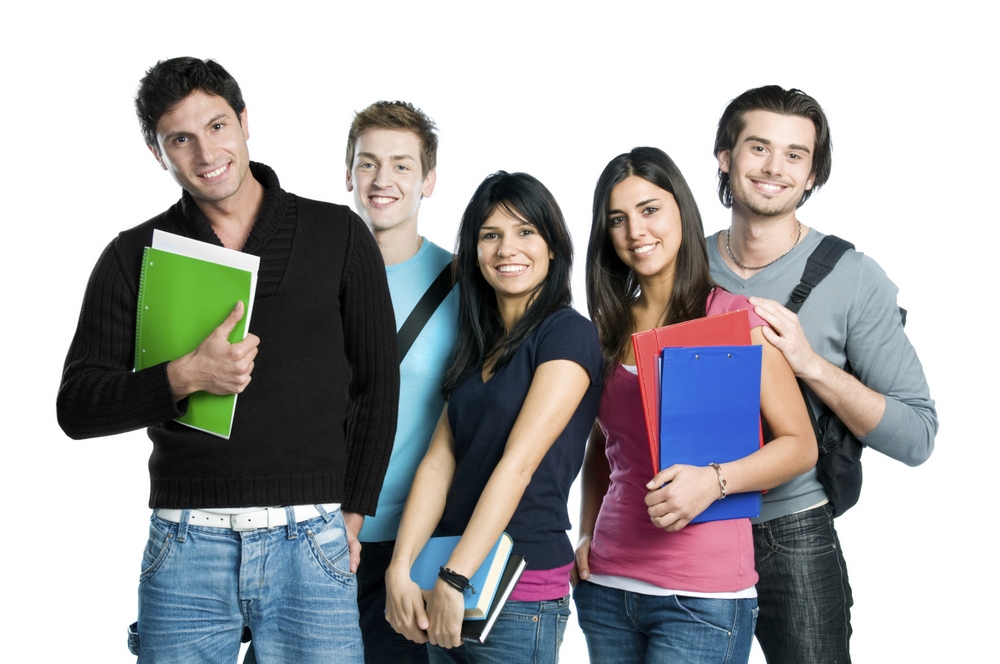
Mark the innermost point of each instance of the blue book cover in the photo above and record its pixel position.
(710, 412)
(436, 553)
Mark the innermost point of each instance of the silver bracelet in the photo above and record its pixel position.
(722, 482)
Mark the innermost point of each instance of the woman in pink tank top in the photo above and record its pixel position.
(652, 586)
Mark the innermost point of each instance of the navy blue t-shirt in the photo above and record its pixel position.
(482, 416)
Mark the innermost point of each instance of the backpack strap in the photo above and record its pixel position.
(428, 304)
(819, 264)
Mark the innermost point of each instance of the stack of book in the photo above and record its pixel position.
(492, 582)
(700, 387)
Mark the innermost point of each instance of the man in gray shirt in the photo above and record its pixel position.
(773, 148)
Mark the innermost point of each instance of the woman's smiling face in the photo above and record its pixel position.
(644, 224)
(513, 256)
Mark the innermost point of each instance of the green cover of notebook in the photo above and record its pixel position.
(181, 300)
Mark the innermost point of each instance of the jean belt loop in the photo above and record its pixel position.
(323, 513)
(290, 524)
(182, 525)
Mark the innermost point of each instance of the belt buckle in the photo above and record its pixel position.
(249, 521)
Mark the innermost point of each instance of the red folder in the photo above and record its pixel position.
(729, 329)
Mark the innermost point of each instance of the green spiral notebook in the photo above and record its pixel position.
(186, 289)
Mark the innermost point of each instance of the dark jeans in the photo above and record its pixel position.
(803, 592)
(383, 645)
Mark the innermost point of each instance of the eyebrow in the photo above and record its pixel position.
(220, 116)
(793, 146)
(212, 121)
(394, 157)
(637, 205)
(519, 222)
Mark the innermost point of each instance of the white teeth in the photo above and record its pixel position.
(219, 171)
(770, 187)
(382, 200)
(645, 249)
(510, 269)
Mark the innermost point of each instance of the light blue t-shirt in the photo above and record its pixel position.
(420, 378)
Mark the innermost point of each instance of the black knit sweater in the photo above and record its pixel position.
(317, 421)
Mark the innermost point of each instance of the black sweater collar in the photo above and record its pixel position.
(271, 215)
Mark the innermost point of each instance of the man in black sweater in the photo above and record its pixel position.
(258, 531)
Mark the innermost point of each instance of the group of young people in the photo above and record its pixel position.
(351, 447)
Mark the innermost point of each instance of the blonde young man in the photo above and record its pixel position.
(391, 160)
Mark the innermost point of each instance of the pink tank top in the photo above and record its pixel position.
(707, 557)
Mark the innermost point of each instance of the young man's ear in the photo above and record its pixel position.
(245, 124)
(156, 153)
(723, 157)
(350, 185)
(429, 181)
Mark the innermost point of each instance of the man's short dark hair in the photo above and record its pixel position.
(169, 82)
(400, 115)
(775, 99)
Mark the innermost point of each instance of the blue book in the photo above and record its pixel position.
(710, 412)
(485, 581)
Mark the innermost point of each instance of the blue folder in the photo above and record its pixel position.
(710, 412)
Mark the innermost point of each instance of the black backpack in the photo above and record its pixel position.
(839, 465)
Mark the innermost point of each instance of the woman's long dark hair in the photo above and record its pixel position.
(612, 287)
(481, 331)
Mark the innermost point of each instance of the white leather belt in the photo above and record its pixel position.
(269, 517)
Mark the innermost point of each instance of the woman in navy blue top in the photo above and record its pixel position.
(523, 392)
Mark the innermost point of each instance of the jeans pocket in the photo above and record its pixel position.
(328, 543)
(719, 614)
(808, 533)
(161, 536)
(133, 638)
(561, 622)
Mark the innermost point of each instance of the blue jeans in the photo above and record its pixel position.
(382, 643)
(291, 585)
(625, 627)
(804, 594)
(525, 633)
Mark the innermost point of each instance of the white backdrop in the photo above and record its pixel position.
(554, 91)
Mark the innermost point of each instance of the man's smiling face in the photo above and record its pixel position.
(770, 167)
(387, 178)
(202, 142)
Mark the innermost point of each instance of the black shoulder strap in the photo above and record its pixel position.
(428, 304)
(819, 264)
